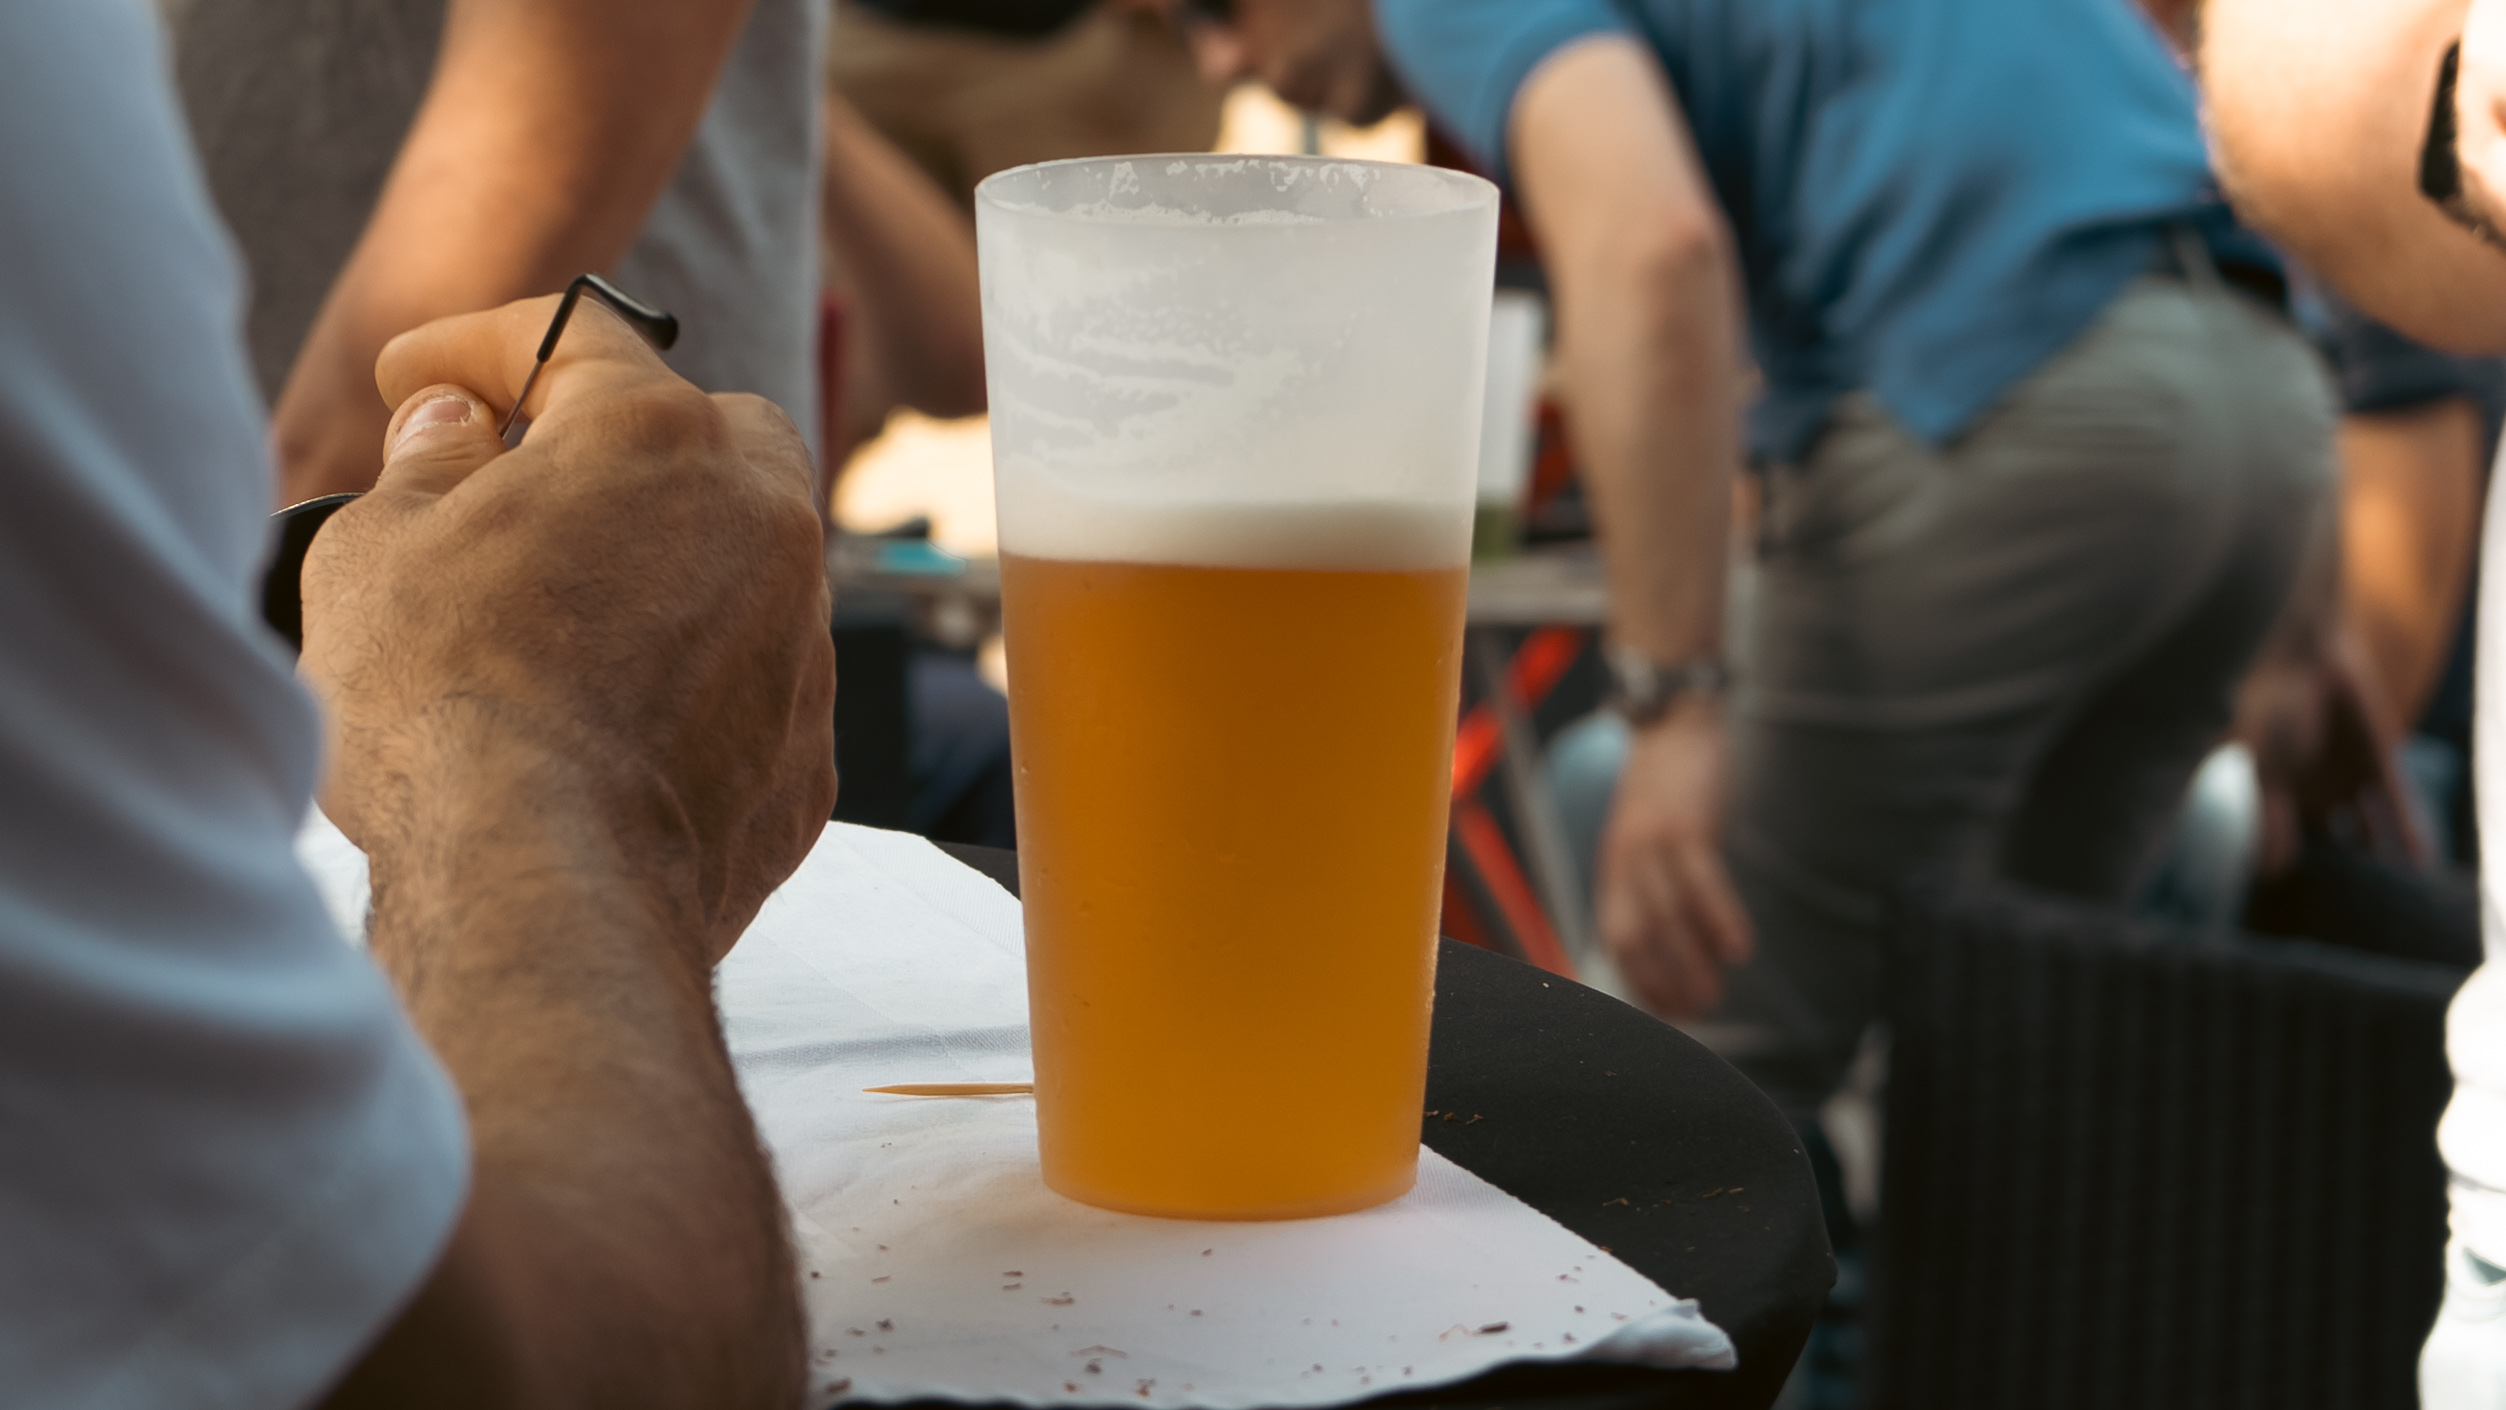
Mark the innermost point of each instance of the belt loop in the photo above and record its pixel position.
(2192, 255)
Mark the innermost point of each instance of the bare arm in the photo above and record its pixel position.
(904, 261)
(623, 1244)
(550, 128)
(1649, 320)
(2410, 517)
(580, 746)
(2366, 631)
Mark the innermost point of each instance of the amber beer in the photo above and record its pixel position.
(1235, 408)
(1231, 792)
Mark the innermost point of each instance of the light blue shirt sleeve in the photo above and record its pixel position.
(226, 1159)
(1464, 60)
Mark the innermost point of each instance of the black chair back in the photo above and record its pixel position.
(2133, 1168)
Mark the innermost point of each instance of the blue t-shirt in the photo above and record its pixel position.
(1931, 197)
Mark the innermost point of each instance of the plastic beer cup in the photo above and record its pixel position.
(1235, 425)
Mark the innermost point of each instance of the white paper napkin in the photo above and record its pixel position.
(935, 1263)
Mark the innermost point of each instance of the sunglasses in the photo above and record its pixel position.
(2440, 161)
(282, 584)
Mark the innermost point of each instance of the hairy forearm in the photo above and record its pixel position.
(623, 1243)
(1649, 334)
(549, 130)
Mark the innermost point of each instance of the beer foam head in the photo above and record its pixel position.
(1239, 361)
(1381, 535)
(1199, 189)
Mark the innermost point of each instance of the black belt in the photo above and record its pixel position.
(2183, 254)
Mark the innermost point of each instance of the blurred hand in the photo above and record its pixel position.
(1318, 55)
(2322, 747)
(327, 430)
(629, 612)
(1664, 901)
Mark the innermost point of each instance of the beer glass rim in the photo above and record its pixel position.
(1468, 192)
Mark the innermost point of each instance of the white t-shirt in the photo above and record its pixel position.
(225, 1157)
(2473, 1133)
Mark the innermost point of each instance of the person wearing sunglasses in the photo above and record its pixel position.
(575, 703)
(2369, 138)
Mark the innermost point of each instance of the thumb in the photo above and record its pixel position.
(438, 437)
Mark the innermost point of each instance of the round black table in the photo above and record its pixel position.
(1623, 1129)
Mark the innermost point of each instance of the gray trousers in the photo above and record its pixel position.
(2005, 655)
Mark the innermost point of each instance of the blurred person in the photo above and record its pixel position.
(390, 162)
(927, 98)
(579, 750)
(2418, 430)
(904, 328)
(1319, 55)
(2421, 431)
(2338, 136)
(2361, 767)
(2334, 811)
(970, 87)
(899, 270)
(2038, 471)
(2353, 723)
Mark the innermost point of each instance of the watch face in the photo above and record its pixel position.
(1638, 686)
(1635, 690)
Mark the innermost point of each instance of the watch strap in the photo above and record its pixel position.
(1642, 689)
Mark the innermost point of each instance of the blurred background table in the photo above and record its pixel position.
(1534, 619)
(957, 600)
(1633, 1136)
(1543, 587)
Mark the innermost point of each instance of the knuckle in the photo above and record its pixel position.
(749, 404)
(677, 419)
(795, 538)
(691, 420)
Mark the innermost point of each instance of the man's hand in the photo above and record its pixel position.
(1666, 908)
(637, 592)
(580, 700)
(1318, 55)
(2322, 746)
(2320, 724)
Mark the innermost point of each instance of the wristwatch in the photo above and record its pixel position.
(1642, 689)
